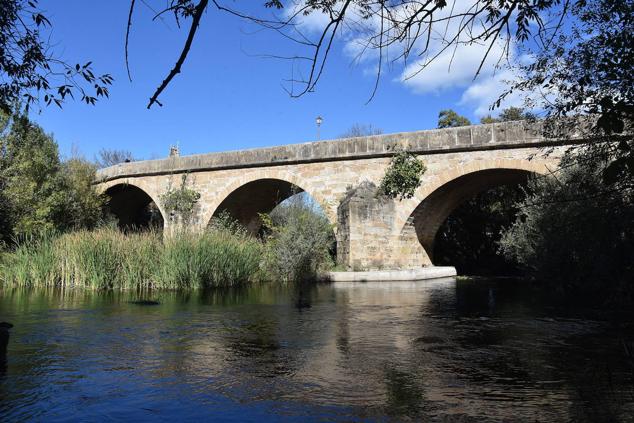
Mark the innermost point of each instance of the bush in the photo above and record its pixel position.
(300, 242)
(225, 222)
(402, 177)
(575, 233)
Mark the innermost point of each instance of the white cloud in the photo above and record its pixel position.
(482, 93)
(312, 22)
(451, 69)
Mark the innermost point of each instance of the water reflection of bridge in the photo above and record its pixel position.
(399, 348)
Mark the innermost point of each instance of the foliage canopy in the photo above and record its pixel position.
(589, 67)
(450, 119)
(29, 72)
(40, 192)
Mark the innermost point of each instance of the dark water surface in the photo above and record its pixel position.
(427, 351)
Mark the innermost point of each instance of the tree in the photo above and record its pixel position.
(361, 130)
(589, 67)
(83, 206)
(575, 230)
(106, 157)
(29, 170)
(6, 222)
(39, 193)
(6, 215)
(404, 28)
(29, 72)
(450, 119)
(509, 114)
(489, 119)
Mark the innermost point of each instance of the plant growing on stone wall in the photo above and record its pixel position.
(402, 176)
(180, 203)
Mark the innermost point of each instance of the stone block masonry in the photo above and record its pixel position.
(342, 176)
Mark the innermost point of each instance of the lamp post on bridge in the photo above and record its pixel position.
(319, 120)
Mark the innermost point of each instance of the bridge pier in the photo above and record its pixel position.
(367, 238)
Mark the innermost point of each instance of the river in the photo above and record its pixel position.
(442, 350)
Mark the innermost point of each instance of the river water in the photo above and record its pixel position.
(441, 350)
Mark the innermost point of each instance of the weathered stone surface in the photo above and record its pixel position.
(365, 221)
(481, 135)
(342, 176)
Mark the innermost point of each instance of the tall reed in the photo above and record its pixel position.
(32, 260)
(106, 259)
(217, 258)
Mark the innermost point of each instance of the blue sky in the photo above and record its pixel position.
(227, 97)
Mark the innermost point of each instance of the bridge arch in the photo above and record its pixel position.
(422, 216)
(244, 199)
(134, 207)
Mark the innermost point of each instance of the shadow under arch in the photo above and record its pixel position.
(429, 215)
(245, 202)
(133, 208)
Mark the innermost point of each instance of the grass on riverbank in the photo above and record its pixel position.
(107, 258)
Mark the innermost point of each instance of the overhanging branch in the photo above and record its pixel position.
(198, 13)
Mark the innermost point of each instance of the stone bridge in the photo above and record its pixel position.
(341, 175)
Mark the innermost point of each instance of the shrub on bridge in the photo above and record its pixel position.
(180, 203)
(402, 177)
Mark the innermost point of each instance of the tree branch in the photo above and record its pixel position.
(127, 38)
(198, 13)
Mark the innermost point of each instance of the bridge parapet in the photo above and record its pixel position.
(467, 138)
